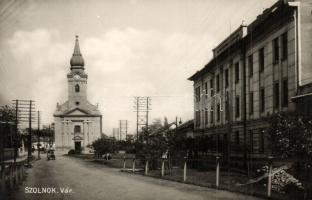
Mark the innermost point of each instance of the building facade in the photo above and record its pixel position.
(260, 69)
(77, 122)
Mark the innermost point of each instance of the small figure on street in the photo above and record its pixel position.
(50, 154)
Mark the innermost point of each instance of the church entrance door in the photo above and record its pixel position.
(78, 146)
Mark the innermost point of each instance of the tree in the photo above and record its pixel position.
(7, 114)
(103, 146)
(166, 125)
(291, 136)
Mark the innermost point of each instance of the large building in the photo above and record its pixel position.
(258, 70)
(77, 122)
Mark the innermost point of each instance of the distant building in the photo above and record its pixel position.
(77, 122)
(185, 130)
(260, 69)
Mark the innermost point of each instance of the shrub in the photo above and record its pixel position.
(282, 181)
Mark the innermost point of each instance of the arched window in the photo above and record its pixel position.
(77, 88)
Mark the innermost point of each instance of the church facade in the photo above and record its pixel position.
(77, 122)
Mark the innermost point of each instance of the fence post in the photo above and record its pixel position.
(270, 176)
(146, 167)
(16, 173)
(133, 165)
(23, 171)
(20, 173)
(184, 170)
(217, 171)
(11, 176)
(124, 164)
(162, 167)
(2, 176)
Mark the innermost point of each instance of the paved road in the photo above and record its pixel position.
(89, 181)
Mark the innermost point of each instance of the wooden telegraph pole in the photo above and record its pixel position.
(38, 135)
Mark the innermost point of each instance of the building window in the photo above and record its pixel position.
(206, 116)
(261, 141)
(284, 46)
(218, 112)
(285, 93)
(218, 83)
(262, 100)
(251, 143)
(77, 103)
(197, 118)
(197, 94)
(227, 105)
(77, 129)
(251, 103)
(211, 87)
(250, 65)
(261, 60)
(236, 72)
(237, 107)
(276, 94)
(275, 51)
(211, 116)
(227, 78)
(206, 90)
(77, 88)
(237, 137)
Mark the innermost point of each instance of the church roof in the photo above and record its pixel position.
(76, 61)
(86, 109)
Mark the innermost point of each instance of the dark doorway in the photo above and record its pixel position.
(78, 146)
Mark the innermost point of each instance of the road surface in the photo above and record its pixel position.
(85, 180)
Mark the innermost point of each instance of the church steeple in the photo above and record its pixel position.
(76, 61)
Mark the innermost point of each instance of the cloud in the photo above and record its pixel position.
(121, 63)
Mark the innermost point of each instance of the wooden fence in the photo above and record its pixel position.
(11, 174)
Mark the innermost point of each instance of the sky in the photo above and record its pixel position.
(130, 48)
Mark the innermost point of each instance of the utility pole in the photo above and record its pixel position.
(38, 135)
(24, 110)
(147, 99)
(50, 135)
(142, 108)
(29, 135)
(16, 130)
(137, 124)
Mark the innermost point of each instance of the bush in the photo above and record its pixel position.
(282, 181)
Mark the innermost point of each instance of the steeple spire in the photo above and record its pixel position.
(77, 62)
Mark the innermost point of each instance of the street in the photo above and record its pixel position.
(74, 178)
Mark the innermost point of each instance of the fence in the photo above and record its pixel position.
(11, 174)
(213, 172)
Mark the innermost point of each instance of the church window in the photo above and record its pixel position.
(77, 103)
(77, 88)
(77, 129)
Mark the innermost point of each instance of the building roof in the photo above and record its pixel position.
(186, 125)
(76, 61)
(232, 42)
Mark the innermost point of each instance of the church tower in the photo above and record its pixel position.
(77, 122)
(77, 79)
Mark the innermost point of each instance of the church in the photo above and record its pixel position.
(77, 122)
